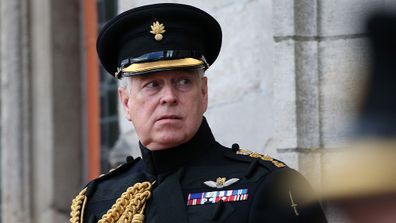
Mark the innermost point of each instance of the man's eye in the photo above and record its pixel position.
(152, 84)
(184, 81)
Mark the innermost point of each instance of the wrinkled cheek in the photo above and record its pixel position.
(140, 123)
(143, 134)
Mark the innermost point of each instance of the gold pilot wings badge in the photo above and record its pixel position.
(157, 29)
(221, 182)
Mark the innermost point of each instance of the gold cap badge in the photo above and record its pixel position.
(157, 29)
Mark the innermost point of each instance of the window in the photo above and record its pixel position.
(109, 126)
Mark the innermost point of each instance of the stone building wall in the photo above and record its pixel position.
(288, 77)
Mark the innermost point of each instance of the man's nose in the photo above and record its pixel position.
(169, 95)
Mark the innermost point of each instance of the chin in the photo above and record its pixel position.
(172, 140)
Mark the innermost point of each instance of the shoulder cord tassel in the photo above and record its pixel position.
(77, 206)
(128, 208)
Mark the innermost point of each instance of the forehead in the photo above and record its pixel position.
(169, 74)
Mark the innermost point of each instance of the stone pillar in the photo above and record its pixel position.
(321, 44)
(296, 37)
(57, 107)
(15, 112)
(41, 109)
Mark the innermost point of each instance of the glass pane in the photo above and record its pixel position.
(113, 102)
(108, 94)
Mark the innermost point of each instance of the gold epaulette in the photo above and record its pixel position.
(129, 207)
(256, 155)
(78, 204)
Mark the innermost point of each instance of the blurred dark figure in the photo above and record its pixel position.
(361, 180)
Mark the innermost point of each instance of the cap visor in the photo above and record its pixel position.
(139, 68)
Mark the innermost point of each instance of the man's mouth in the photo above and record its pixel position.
(169, 117)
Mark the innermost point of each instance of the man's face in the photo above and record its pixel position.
(165, 107)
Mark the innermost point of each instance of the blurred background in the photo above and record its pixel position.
(287, 83)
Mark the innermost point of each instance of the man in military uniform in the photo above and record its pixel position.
(160, 52)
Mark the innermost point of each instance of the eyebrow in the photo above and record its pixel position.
(177, 72)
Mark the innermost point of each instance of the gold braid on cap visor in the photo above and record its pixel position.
(138, 68)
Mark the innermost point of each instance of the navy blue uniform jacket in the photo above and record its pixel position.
(271, 189)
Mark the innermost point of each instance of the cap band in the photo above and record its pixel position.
(141, 68)
(162, 55)
(160, 60)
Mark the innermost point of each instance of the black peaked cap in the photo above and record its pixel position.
(187, 28)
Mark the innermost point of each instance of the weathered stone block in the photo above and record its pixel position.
(247, 122)
(289, 157)
(245, 58)
(307, 94)
(307, 161)
(283, 17)
(305, 18)
(310, 163)
(340, 17)
(343, 66)
(284, 95)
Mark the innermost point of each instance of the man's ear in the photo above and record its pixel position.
(124, 94)
(204, 91)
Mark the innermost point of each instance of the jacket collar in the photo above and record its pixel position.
(162, 161)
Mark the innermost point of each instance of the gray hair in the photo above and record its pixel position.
(125, 82)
